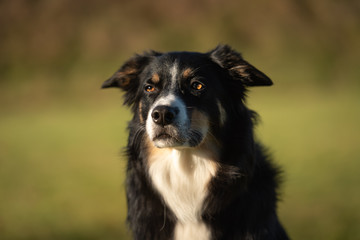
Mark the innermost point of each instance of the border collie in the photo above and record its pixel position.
(194, 169)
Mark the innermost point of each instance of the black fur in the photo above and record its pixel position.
(241, 203)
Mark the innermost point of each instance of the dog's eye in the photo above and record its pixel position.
(197, 86)
(149, 88)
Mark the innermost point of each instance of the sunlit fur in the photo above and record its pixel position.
(194, 169)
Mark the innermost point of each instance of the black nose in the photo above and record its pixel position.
(164, 115)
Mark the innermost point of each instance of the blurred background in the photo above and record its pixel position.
(61, 137)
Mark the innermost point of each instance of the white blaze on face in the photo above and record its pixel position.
(174, 70)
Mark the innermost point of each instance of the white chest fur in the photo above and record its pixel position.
(182, 178)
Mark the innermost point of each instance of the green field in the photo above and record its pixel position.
(61, 171)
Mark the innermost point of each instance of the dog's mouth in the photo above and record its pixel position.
(162, 136)
(176, 139)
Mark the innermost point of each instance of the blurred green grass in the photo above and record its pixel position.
(61, 174)
(315, 136)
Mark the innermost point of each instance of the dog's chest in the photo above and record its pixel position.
(182, 178)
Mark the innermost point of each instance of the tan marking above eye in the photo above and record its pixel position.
(187, 73)
(155, 78)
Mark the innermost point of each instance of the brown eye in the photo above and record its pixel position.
(149, 88)
(198, 86)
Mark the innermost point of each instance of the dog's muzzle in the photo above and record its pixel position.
(166, 128)
(168, 124)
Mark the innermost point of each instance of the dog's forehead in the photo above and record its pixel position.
(184, 57)
(175, 62)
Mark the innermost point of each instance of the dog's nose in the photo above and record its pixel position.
(164, 115)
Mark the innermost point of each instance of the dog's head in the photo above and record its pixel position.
(181, 98)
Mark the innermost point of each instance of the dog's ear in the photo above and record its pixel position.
(127, 77)
(238, 68)
(129, 71)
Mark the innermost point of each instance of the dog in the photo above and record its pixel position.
(194, 168)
